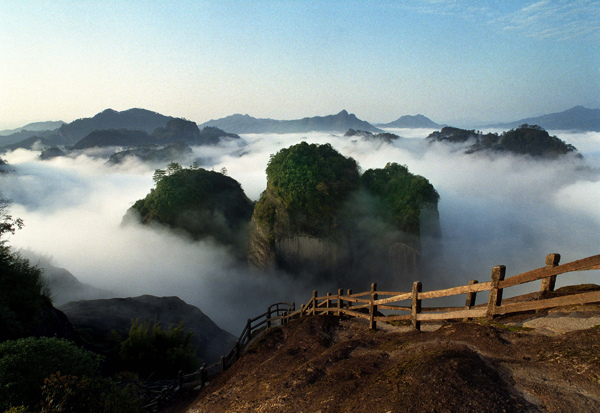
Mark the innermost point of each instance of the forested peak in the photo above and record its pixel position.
(177, 126)
(312, 177)
(535, 141)
(402, 193)
(201, 202)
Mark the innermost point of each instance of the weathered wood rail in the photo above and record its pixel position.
(369, 304)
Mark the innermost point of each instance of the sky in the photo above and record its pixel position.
(456, 62)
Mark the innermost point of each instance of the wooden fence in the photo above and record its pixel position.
(369, 304)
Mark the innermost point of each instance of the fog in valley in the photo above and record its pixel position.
(494, 209)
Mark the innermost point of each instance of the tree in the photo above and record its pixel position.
(158, 175)
(173, 168)
(8, 224)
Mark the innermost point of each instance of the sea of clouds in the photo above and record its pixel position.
(494, 210)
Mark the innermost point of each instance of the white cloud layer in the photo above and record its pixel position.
(501, 210)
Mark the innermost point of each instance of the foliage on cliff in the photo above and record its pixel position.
(203, 203)
(311, 182)
(402, 195)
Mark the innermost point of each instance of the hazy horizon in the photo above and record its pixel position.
(456, 62)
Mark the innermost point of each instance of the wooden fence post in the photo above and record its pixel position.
(314, 302)
(223, 367)
(415, 307)
(548, 283)
(471, 296)
(269, 317)
(203, 375)
(373, 307)
(349, 302)
(340, 305)
(327, 304)
(495, 299)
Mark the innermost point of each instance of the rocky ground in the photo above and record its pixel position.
(533, 362)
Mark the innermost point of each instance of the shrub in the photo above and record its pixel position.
(152, 351)
(73, 394)
(25, 363)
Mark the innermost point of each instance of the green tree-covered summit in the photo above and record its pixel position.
(202, 203)
(403, 195)
(312, 181)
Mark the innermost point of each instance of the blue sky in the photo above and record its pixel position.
(453, 61)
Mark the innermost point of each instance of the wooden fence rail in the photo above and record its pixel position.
(369, 304)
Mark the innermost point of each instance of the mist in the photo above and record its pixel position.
(493, 210)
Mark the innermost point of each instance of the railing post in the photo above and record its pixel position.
(373, 308)
(495, 299)
(549, 283)
(327, 304)
(314, 302)
(180, 378)
(415, 307)
(249, 328)
(339, 302)
(471, 297)
(349, 302)
(223, 367)
(203, 375)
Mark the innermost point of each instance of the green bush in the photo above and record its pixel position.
(25, 363)
(153, 352)
(73, 394)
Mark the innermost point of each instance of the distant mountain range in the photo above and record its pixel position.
(133, 119)
(577, 118)
(34, 127)
(332, 123)
(156, 125)
(408, 121)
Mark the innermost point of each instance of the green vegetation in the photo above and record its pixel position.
(152, 351)
(203, 203)
(311, 181)
(402, 195)
(535, 141)
(525, 140)
(23, 293)
(25, 363)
